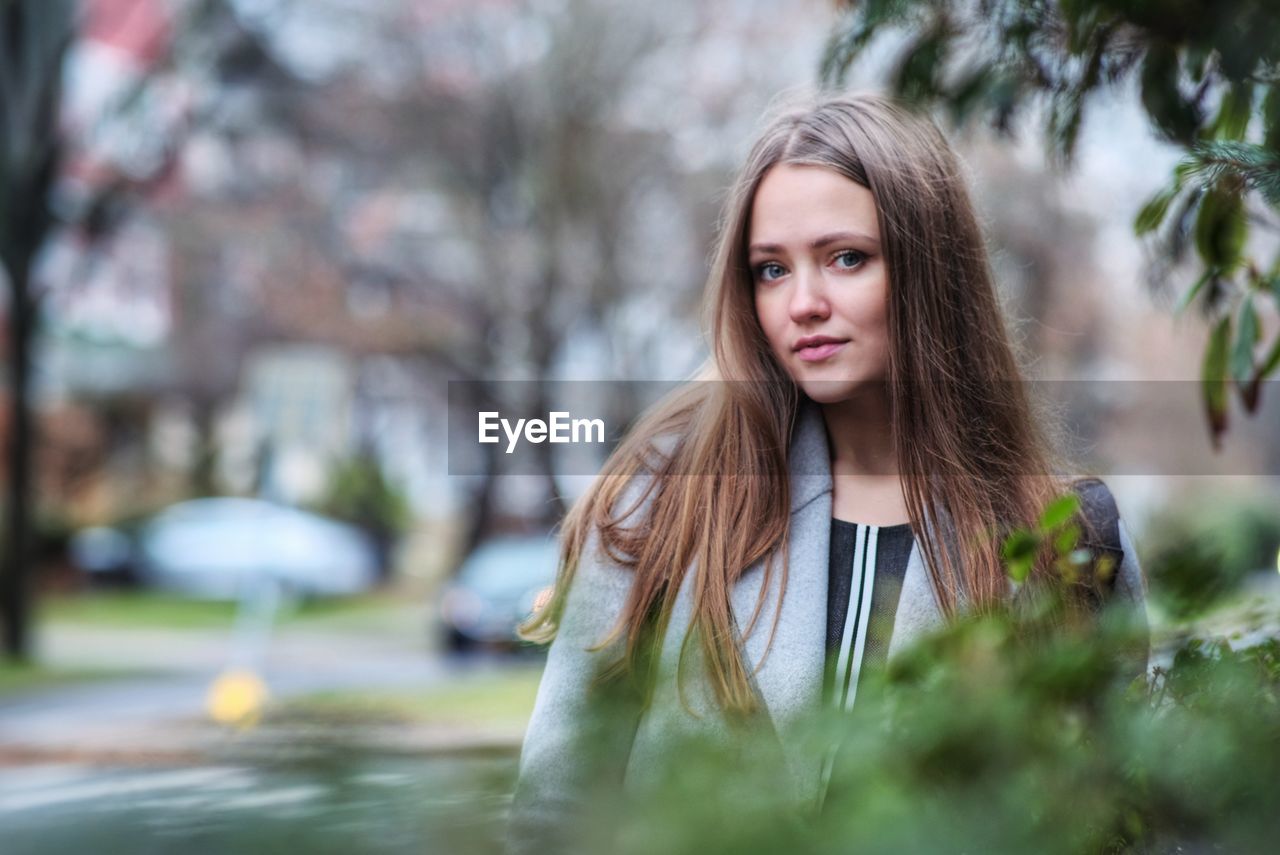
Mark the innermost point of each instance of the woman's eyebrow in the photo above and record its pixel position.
(817, 243)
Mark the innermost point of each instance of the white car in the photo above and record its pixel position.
(214, 547)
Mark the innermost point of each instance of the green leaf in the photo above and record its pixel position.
(970, 92)
(859, 27)
(916, 78)
(1233, 115)
(1216, 162)
(1247, 332)
(1019, 553)
(1152, 213)
(1019, 570)
(1066, 115)
(1173, 114)
(1196, 60)
(1272, 360)
(1066, 540)
(1221, 228)
(1059, 511)
(1186, 168)
(1213, 379)
(1195, 289)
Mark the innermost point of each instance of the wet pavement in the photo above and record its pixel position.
(342, 803)
(134, 764)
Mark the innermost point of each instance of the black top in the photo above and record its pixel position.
(867, 567)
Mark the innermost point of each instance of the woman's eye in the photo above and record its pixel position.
(850, 259)
(769, 270)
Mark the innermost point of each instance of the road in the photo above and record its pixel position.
(375, 806)
(134, 765)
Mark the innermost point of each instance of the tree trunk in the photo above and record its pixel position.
(480, 520)
(16, 590)
(35, 35)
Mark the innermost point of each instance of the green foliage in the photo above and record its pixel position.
(978, 741)
(1059, 531)
(1198, 553)
(1248, 329)
(1218, 163)
(1153, 212)
(1206, 278)
(1190, 576)
(1019, 553)
(1213, 377)
(1207, 76)
(1011, 732)
(1008, 731)
(360, 493)
(1220, 228)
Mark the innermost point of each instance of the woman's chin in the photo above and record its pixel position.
(834, 391)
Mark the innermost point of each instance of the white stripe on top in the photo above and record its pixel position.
(849, 662)
(857, 616)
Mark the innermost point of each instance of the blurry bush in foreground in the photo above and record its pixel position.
(1024, 729)
(1198, 554)
(977, 741)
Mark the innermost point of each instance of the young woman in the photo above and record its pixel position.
(837, 486)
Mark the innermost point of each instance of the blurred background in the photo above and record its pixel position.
(248, 244)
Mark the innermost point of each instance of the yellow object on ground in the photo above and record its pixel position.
(237, 698)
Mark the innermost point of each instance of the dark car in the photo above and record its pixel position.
(495, 589)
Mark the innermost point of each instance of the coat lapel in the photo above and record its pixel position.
(789, 677)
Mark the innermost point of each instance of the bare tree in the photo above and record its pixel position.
(34, 37)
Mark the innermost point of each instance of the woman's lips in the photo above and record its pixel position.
(819, 352)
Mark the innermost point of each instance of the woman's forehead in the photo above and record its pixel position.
(796, 204)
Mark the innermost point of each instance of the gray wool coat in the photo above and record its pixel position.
(552, 778)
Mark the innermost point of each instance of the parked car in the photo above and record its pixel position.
(104, 555)
(495, 589)
(214, 547)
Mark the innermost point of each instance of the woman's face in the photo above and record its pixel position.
(821, 287)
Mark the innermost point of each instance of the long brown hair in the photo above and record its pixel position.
(705, 472)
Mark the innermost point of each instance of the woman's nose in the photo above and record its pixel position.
(808, 300)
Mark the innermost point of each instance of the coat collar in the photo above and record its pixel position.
(788, 677)
(809, 456)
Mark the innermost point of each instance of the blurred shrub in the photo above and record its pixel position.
(358, 492)
(1206, 76)
(1197, 554)
(976, 741)
(1017, 730)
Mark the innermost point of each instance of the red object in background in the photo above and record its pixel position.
(138, 29)
(119, 42)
